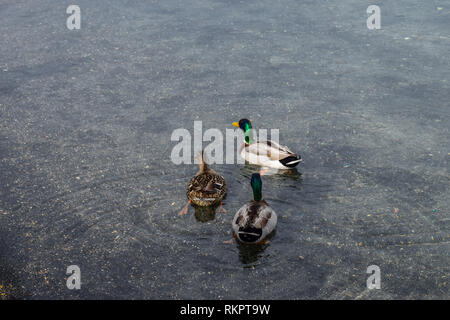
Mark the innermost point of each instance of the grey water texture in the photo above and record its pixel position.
(86, 177)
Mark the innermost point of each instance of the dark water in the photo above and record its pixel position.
(86, 120)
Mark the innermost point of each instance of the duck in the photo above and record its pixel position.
(206, 188)
(265, 153)
(256, 219)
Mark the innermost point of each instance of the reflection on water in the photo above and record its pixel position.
(249, 254)
(248, 169)
(205, 214)
(85, 141)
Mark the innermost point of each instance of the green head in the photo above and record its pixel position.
(246, 126)
(256, 184)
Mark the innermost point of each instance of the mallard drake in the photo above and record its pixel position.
(256, 219)
(265, 153)
(206, 188)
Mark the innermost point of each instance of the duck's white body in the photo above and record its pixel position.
(269, 154)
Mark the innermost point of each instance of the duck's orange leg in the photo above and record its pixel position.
(263, 241)
(185, 209)
(231, 240)
(221, 208)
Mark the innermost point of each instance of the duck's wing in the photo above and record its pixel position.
(265, 213)
(240, 218)
(216, 184)
(270, 149)
(254, 214)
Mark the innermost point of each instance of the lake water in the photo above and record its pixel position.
(86, 118)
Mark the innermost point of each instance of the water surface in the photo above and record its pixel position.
(85, 126)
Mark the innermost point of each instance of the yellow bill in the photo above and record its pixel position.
(236, 124)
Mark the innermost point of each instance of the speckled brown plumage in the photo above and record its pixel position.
(207, 187)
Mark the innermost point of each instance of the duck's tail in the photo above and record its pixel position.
(291, 161)
(249, 234)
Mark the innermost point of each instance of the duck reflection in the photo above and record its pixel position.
(205, 214)
(249, 254)
(249, 169)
